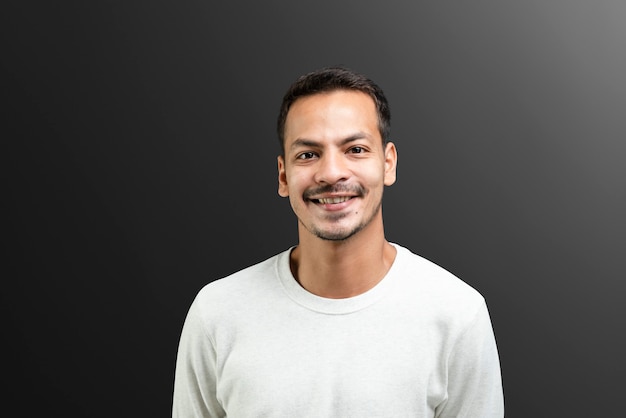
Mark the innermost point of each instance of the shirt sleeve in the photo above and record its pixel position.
(195, 377)
(474, 387)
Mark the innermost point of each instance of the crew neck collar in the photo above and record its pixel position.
(337, 306)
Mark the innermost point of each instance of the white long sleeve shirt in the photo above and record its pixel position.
(418, 344)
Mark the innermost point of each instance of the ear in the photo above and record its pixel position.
(283, 190)
(391, 162)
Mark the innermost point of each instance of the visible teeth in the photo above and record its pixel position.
(328, 200)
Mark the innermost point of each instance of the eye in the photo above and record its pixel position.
(357, 150)
(305, 155)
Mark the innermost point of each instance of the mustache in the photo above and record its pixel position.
(334, 188)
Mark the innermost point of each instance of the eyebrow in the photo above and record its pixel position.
(304, 142)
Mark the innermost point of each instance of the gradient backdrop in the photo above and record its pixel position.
(140, 164)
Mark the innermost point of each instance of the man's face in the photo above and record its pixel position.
(335, 166)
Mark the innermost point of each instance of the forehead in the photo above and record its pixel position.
(330, 114)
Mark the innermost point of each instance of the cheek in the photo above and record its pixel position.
(376, 178)
(287, 182)
(296, 182)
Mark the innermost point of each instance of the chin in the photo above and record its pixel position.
(337, 235)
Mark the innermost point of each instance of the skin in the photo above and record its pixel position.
(333, 150)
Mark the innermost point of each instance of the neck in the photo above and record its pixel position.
(342, 269)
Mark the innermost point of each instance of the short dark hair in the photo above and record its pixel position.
(331, 79)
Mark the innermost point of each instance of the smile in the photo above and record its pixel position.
(334, 200)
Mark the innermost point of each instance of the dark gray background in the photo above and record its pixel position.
(139, 159)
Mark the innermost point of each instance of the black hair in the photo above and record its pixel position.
(331, 79)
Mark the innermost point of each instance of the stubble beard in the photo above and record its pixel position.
(341, 234)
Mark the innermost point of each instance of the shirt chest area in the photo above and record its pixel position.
(352, 365)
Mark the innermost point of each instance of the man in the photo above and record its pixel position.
(345, 324)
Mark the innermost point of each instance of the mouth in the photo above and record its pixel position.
(333, 195)
(332, 200)
(333, 203)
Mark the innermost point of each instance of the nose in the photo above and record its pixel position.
(332, 168)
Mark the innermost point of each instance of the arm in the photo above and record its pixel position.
(474, 379)
(195, 379)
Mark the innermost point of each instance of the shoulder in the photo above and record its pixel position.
(241, 289)
(435, 287)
